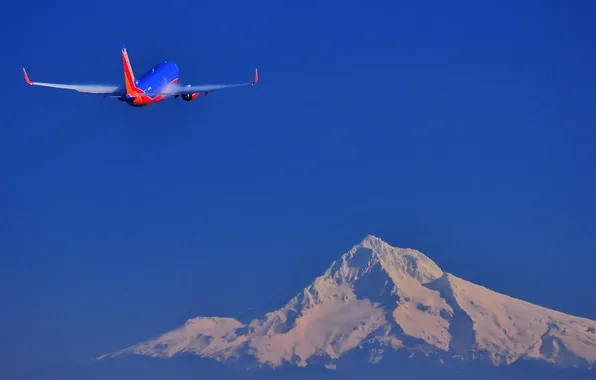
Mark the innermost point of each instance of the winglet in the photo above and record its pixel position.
(256, 77)
(27, 77)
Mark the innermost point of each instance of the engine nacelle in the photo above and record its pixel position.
(189, 97)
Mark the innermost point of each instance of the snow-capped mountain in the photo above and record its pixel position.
(376, 300)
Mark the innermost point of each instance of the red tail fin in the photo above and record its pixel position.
(129, 76)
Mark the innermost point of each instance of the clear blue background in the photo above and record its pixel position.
(465, 130)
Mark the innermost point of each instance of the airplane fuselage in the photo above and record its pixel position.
(155, 80)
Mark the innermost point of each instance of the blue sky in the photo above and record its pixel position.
(465, 131)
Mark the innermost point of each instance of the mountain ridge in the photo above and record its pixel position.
(379, 299)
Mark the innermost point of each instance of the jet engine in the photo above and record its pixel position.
(189, 97)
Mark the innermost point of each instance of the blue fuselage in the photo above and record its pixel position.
(154, 81)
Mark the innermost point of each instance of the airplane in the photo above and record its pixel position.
(157, 84)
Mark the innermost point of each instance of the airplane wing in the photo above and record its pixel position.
(178, 89)
(113, 91)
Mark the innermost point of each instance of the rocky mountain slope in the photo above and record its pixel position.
(376, 300)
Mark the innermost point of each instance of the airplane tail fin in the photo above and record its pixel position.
(129, 76)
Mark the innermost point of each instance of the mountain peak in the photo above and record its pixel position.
(372, 250)
(376, 299)
(372, 239)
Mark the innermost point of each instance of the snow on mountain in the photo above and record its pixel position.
(380, 299)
